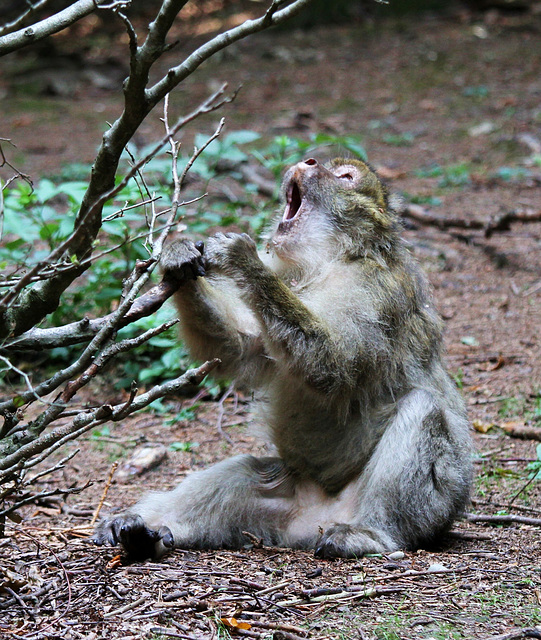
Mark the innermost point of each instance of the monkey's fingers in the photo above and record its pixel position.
(182, 261)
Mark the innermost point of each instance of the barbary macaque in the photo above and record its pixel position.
(334, 327)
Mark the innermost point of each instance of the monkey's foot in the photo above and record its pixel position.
(345, 541)
(131, 532)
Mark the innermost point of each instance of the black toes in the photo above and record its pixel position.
(327, 551)
(131, 532)
(166, 537)
(137, 539)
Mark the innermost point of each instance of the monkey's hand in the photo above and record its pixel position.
(182, 260)
(228, 252)
(131, 532)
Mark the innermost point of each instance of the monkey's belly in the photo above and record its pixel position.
(316, 510)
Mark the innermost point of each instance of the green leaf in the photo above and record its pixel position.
(183, 446)
(242, 136)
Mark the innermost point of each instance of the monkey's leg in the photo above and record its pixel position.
(209, 509)
(416, 482)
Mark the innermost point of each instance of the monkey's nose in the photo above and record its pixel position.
(310, 161)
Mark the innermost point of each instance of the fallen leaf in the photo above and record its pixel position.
(482, 427)
(497, 365)
(233, 623)
(114, 562)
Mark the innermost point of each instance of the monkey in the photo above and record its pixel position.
(334, 326)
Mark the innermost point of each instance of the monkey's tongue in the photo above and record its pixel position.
(294, 201)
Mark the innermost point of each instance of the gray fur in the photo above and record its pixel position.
(335, 328)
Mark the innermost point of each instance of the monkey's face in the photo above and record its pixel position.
(321, 202)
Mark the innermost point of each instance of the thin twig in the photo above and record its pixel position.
(104, 494)
(503, 519)
(221, 412)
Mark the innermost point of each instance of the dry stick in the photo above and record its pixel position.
(524, 487)
(279, 626)
(126, 607)
(40, 339)
(517, 507)
(47, 442)
(343, 596)
(43, 494)
(410, 573)
(104, 494)
(524, 433)
(496, 223)
(508, 519)
(456, 534)
(221, 412)
(516, 634)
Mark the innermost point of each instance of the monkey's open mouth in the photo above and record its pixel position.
(293, 201)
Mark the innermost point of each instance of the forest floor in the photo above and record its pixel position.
(449, 111)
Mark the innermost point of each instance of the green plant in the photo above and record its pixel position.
(184, 415)
(528, 408)
(183, 446)
(399, 139)
(283, 150)
(432, 201)
(455, 175)
(458, 377)
(479, 92)
(511, 173)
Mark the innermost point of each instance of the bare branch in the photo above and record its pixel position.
(272, 17)
(498, 222)
(19, 318)
(36, 293)
(43, 494)
(23, 375)
(53, 24)
(43, 297)
(90, 419)
(21, 19)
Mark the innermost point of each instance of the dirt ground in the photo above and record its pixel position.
(448, 108)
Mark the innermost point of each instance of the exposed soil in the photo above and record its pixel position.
(453, 92)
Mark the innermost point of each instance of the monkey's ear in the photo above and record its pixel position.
(396, 203)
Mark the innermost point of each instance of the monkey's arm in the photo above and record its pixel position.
(307, 343)
(215, 322)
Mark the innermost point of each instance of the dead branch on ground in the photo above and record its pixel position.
(500, 222)
(503, 519)
(522, 432)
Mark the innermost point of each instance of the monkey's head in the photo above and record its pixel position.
(340, 207)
